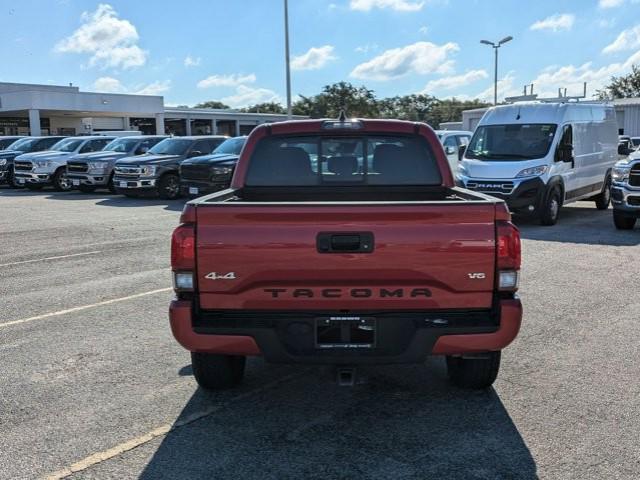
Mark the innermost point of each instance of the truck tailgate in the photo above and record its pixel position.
(266, 257)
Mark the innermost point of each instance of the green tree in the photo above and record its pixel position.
(626, 86)
(268, 107)
(416, 107)
(356, 101)
(212, 104)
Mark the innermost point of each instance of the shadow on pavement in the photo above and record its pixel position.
(405, 422)
(580, 223)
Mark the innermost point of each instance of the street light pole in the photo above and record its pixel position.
(496, 46)
(286, 54)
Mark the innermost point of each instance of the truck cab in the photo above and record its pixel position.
(539, 156)
(345, 242)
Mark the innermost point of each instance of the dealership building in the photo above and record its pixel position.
(29, 109)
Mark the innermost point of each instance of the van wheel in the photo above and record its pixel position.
(475, 373)
(550, 210)
(169, 186)
(60, 181)
(87, 188)
(217, 372)
(623, 222)
(603, 199)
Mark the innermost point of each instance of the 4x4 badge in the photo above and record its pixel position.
(217, 276)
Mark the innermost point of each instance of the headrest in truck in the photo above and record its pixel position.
(345, 165)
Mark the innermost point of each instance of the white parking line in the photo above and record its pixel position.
(84, 307)
(100, 457)
(50, 258)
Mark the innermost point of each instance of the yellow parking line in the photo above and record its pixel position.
(84, 307)
(100, 457)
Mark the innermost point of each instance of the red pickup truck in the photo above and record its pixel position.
(345, 242)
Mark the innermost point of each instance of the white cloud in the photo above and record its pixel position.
(505, 89)
(610, 3)
(190, 61)
(232, 80)
(572, 77)
(108, 85)
(421, 58)
(250, 96)
(155, 88)
(369, 47)
(398, 5)
(555, 22)
(110, 40)
(314, 58)
(457, 81)
(113, 85)
(627, 40)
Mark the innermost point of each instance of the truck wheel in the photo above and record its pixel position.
(603, 199)
(622, 222)
(60, 181)
(87, 188)
(169, 186)
(11, 179)
(476, 373)
(217, 372)
(111, 186)
(550, 209)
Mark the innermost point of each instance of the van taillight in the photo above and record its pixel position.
(508, 255)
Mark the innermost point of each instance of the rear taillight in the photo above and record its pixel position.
(508, 255)
(183, 257)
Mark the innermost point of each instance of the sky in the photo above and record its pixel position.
(233, 50)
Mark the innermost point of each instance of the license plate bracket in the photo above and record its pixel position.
(345, 332)
(194, 190)
(75, 182)
(123, 184)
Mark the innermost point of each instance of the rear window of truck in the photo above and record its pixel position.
(295, 161)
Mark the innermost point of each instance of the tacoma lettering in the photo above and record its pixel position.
(348, 292)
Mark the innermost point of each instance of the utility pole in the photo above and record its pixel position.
(495, 47)
(286, 48)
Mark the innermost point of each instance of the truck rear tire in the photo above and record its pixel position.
(169, 186)
(217, 372)
(623, 222)
(550, 209)
(603, 199)
(475, 373)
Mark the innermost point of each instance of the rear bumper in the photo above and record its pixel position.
(407, 337)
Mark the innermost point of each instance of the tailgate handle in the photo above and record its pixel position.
(357, 242)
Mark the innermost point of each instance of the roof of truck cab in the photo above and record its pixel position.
(547, 112)
(368, 125)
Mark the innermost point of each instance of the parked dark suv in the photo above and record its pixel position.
(210, 173)
(157, 171)
(24, 145)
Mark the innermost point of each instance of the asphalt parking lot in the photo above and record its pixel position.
(92, 384)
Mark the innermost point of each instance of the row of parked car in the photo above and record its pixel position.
(134, 166)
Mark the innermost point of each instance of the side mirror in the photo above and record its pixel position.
(142, 150)
(461, 150)
(195, 153)
(449, 150)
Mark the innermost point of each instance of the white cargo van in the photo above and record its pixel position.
(538, 156)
